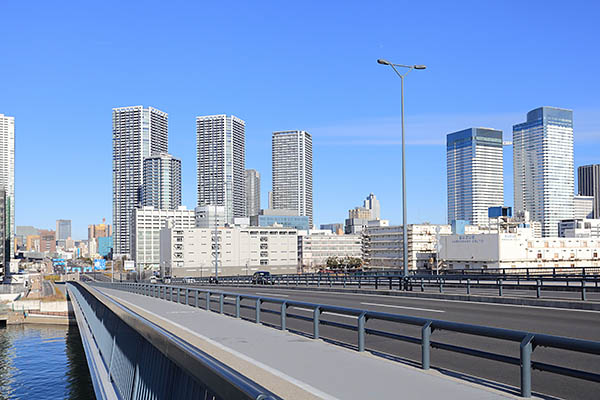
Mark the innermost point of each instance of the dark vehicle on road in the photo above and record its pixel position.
(214, 280)
(262, 278)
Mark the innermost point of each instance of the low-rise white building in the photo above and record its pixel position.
(241, 251)
(517, 249)
(579, 228)
(383, 245)
(316, 246)
(147, 223)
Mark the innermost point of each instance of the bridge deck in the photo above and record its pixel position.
(294, 366)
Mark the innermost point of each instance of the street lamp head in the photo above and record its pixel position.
(419, 67)
(383, 62)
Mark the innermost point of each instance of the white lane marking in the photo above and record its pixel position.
(326, 312)
(311, 389)
(451, 301)
(406, 307)
(271, 294)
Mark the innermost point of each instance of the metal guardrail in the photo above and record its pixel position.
(146, 361)
(391, 281)
(528, 342)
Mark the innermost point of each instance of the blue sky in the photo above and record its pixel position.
(287, 65)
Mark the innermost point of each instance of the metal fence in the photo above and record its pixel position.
(145, 361)
(526, 341)
(499, 284)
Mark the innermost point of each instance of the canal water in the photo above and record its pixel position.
(43, 362)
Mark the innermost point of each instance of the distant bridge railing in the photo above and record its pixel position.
(145, 361)
(391, 281)
(527, 341)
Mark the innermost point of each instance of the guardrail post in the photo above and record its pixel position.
(344, 281)
(583, 296)
(425, 344)
(390, 283)
(319, 281)
(359, 283)
(187, 295)
(441, 286)
(316, 316)
(283, 312)
(170, 293)
(361, 331)
(537, 287)
(330, 281)
(526, 350)
(468, 286)
(208, 301)
(257, 316)
(178, 293)
(221, 301)
(376, 283)
(237, 306)
(422, 285)
(197, 295)
(500, 287)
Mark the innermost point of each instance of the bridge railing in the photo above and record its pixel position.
(526, 341)
(145, 361)
(581, 285)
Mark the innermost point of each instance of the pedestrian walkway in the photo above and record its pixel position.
(296, 367)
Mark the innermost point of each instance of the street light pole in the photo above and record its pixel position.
(404, 227)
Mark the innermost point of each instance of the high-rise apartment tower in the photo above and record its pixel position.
(161, 186)
(252, 192)
(7, 176)
(220, 146)
(588, 183)
(475, 174)
(543, 167)
(292, 172)
(138, 133)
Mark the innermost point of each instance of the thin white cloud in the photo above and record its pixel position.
(432, 129)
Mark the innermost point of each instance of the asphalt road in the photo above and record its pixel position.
(571, 323)
(526, 290)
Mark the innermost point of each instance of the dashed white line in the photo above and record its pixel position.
(404, 307)
(273, 295)
(325, 312)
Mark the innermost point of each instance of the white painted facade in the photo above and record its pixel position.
(383, 245)
(518, 250)
(241, 251)
(316, 246)
(579, 228)
(146, 225)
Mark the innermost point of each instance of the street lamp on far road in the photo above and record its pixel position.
(404, 230)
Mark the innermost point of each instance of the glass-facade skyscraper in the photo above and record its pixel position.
(588, 183)
(543, 167)
(292, 172)
(475, 174)
(221, 160)
(162, 182)
(138, 133)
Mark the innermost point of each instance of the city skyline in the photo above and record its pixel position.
(351, 112)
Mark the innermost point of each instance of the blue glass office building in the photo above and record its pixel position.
(287, 221)
(475, 174)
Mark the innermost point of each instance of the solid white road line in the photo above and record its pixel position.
(405, 307)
